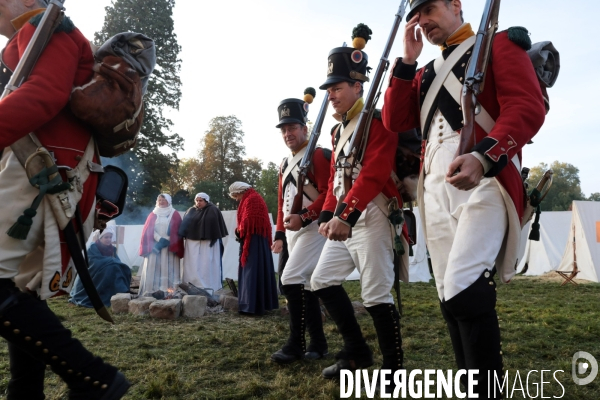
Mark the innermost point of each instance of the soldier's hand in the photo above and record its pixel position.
(471, 172)
(323, 231)
(337, 230)
(413, 41)
(277, 246)
(293, 222)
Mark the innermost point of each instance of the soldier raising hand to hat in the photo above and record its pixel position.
(484, 202)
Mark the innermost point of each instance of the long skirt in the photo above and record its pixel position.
(202, 264)
(160, 272)
(257, 290)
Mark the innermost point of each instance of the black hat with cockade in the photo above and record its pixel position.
(349, 64)
(294, 111)
(414, 4)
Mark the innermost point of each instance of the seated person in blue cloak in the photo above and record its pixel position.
(109, 274)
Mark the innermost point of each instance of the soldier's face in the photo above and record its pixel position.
(343, 95)
(9, 10)
(294, 135)
(439, 19)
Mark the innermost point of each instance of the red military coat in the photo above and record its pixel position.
(41, 104)
(511, 96)
(374, 177)
(318, 175)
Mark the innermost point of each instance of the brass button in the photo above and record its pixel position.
(45, 351)
(502, 148)
(441, 126)
(487, 274)
(70, 371)
(500, 352)
(63, 363)
(469, 52)
(96, 383)
(38, 343)
(462, 122)
(345, 215)
(441, 141)
(353, 201)
(6, 323)
(27, 338)
(350, 208)
(87, 379)
(427, 70)
(460, 79)
(491, 283)
(462, 65)
(16, 331)
(459, 108)
(54, 358)
(423, 81)
(422, 93)
(441, 133)
(104, 386)
(441, 119)
(510, 142)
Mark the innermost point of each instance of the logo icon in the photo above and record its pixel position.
(590, 365)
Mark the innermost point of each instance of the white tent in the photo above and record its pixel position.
(583, 244)
(545, 255)
(418, 267)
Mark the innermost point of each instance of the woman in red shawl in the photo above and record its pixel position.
(257, 290)
(161, 248)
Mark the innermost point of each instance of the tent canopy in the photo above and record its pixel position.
(545, 255)
(583, 244)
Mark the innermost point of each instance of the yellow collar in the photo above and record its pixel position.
(22, 19)
(351, 113)
(301, 147)
(460, 35)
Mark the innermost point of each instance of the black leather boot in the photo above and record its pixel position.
(317, 347)
(387, 324)
(295, 346)
(473, 309)
(356, 353)
(32, 327)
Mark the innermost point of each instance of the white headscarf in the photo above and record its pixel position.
(166, 211)
(238, 187)
(109, 229)
(203, 195)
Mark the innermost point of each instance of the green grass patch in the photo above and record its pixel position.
(226, 356)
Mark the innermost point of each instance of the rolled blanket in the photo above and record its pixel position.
(546, 62)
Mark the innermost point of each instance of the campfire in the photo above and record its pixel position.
(181, 290)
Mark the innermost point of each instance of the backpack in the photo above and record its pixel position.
(111, 103)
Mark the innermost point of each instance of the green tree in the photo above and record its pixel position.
(267, 187)
(153, 18)
(252, 170)
(221, 153)
(594, 197)
(565, 188)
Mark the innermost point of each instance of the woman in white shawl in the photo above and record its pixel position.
(161, 248)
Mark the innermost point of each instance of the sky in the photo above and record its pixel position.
(243, 57)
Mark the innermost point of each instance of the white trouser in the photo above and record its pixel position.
(464, 229)
(370, 250)
(304, 248)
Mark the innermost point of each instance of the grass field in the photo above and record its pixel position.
(226, 356)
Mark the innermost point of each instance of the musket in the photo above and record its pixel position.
(359, 139)
(51, 19)
(475, 75)
(307, 158)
